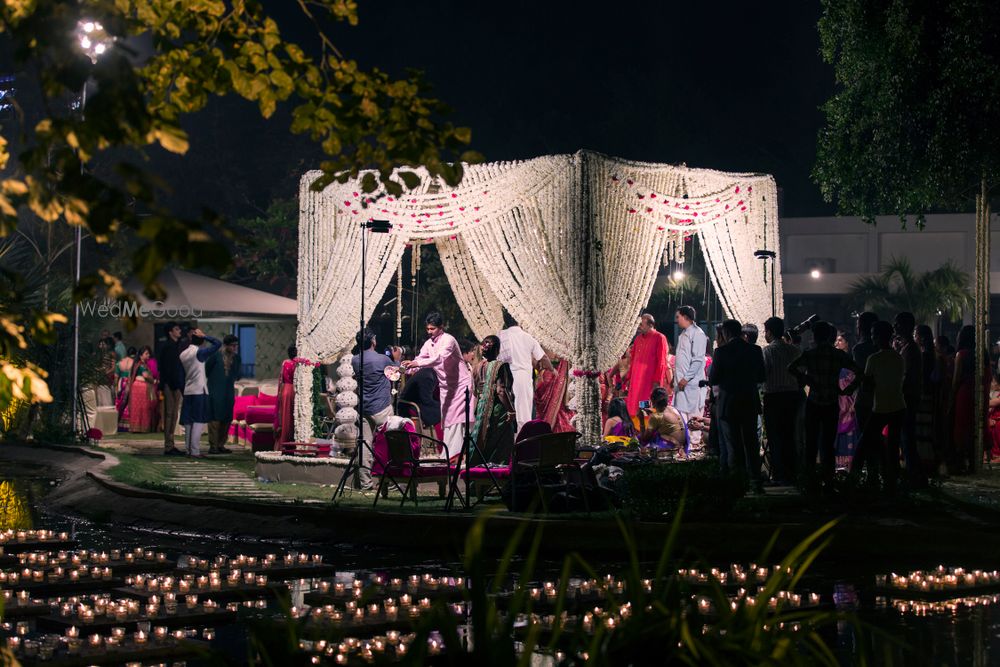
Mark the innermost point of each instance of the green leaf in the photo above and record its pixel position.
(410, 179)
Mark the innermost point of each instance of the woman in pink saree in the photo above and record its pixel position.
(550, 397)
(143, 394)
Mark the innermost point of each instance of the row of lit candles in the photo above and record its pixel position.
(212, 581)
(939, 579)
(118, 638)
(122, 610)
(31, 535)
(367, 649)
(414, 582)
(55, 575)
(391, 609)
(244, 561)
(95, 557)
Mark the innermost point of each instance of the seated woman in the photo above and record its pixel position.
(664, 424)
(618, 423)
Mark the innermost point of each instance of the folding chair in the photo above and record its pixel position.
(412, 412)
(402, 464)
(548, 453)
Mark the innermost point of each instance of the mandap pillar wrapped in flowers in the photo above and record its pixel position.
(570, 245)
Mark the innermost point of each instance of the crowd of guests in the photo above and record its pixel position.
(897, 396)
(452, 386)
(191, 381)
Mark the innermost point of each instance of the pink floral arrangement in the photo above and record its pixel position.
(94, 434)
(581, 373)
(302, 361)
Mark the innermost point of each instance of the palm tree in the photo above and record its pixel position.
(928, 295)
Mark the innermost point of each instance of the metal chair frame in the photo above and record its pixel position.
(400, 458)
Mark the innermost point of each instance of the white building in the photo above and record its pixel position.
(821, 257)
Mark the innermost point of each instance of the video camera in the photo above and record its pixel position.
(804, 325)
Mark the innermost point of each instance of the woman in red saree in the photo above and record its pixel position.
(993, 435)
(550, 398)
(284, 430)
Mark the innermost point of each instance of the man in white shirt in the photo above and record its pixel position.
(195, 411)
(521, 352)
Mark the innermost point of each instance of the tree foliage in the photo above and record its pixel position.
(943, 291)
(137, 98)
(266, 247)
(915, 122)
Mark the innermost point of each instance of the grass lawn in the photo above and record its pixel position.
(139, 470)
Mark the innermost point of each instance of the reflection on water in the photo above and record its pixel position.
(14, 512)
(960, 631)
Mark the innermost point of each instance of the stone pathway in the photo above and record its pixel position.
(217, 480)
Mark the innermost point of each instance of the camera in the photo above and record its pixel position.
(704, 383)
(644, 405)
(804, 325)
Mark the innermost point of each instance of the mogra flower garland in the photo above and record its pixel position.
(568, 244)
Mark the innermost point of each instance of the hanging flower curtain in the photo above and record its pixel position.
(570, 245)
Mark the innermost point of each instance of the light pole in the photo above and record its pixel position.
(93, 41)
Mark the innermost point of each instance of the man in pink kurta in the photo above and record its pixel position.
(648, 369)
(442, 353)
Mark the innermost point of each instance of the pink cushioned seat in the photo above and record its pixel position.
(482, 473)
(260, 414)
(265, 399)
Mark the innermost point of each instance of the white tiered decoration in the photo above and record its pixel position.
(570, 245)
(346, 433)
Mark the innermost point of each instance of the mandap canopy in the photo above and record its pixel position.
(570, 245)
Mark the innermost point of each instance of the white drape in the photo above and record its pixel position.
(570, 245)
(479, 304)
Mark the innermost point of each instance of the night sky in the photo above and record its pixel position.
(724, 85)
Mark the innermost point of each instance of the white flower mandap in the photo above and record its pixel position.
(570, 245)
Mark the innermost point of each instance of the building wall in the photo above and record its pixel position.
(273, 339)
(845, 248)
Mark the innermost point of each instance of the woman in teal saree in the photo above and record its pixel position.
(493, 431)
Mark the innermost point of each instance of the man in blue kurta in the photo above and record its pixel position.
(689, 364)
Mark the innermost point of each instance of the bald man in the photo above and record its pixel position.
(648, 369)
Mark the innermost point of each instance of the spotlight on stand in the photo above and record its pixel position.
(764, 255)
(378, 226)
(356, 463)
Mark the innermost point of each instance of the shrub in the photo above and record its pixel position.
(653, 492)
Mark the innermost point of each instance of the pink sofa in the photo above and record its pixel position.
(253, 421)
